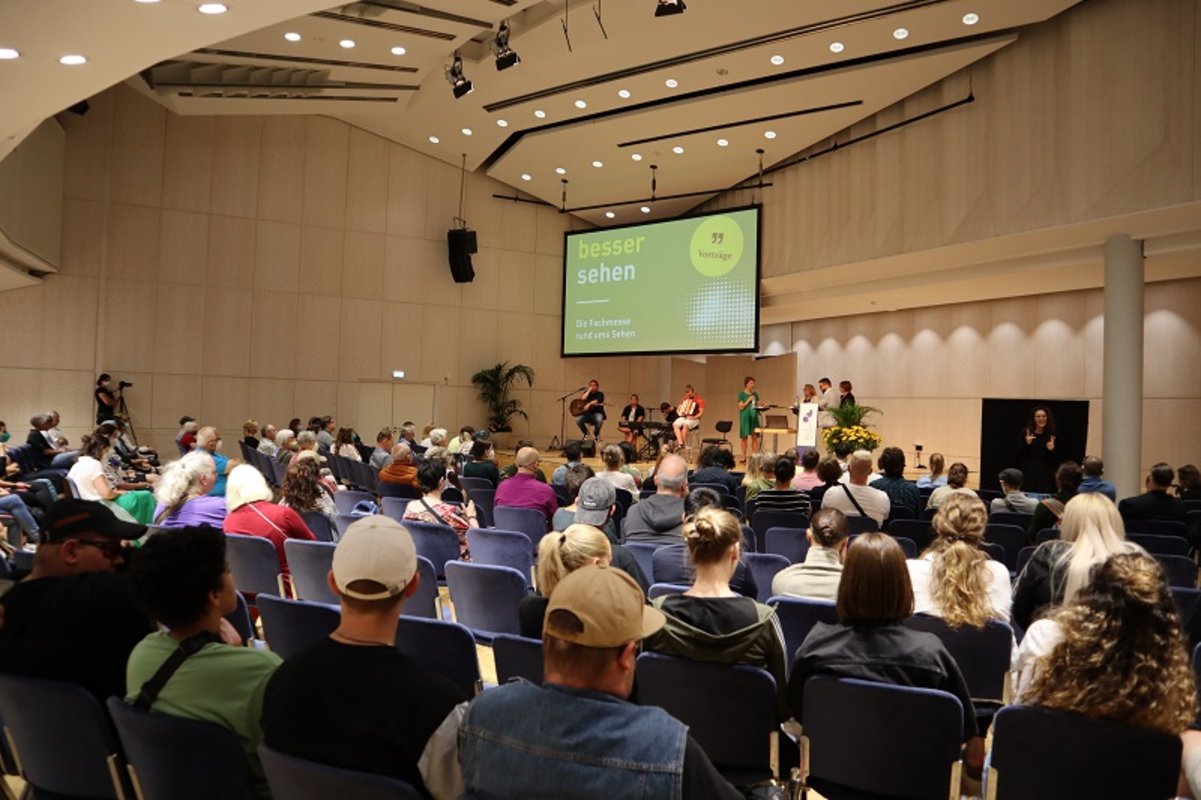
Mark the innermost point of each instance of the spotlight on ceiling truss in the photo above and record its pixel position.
(455, 77)
(505, 55)
(668, 7)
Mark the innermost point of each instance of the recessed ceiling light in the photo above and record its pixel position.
(525, 176)
(624, 94)
(580, 104)
(677, 150)
(7, 53)
(539, 113)
(777, 60)
(292, 36)
(145, 2)
(610, 214)
(837, 47)
(598, 164)
(347, 43)
(900, 33)
(398, 51)
(502, 123)
(212, 8)
(970, 18)
(671, 83)
(769, 134)
(645, 209)
(434, 140)
(560, 171)
(723, 142)
(636, 156)
(467, 131)
(73, 60)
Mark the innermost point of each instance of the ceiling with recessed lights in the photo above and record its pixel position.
(606, 110)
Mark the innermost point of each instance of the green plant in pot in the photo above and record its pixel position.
(494, 384)
(850, 431)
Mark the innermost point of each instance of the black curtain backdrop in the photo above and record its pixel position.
(1002, 429)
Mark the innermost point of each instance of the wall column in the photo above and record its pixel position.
(1122, 409)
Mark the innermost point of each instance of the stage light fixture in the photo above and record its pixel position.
(455, 77)
(666, 8)
(505, 55)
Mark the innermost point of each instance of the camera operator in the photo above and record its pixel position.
(106, 397)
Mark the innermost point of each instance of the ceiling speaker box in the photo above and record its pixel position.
(461, 244)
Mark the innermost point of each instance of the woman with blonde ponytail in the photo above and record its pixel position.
(955, 579)
(183, 495)
(560, 554)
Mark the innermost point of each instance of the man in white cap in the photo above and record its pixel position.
(352, 699)
(576, 730)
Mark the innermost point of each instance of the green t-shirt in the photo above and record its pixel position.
(219, 684)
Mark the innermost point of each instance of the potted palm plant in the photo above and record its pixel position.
(494, 384)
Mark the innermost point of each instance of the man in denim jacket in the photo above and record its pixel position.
(576, 735)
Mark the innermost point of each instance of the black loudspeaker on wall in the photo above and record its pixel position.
(460, 247)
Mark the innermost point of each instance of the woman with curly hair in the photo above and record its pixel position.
(303, 491)
(344, 444)
(183, 495)
(955, 579)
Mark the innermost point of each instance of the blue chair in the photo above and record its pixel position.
(1046, 535)
(1023, 557)
(1159, 527)
(501, 549)
(485, 501)
(394, 507)
(181, 758)
(347, 499)
(299, 779)
(670, 564)
(527, 520)
(517, 657)
(857, 524)
(916, 530)
(279, 470)
(763, 567)
(240, 619)
(486, 597)
(451, 494)
(1187, 601)
(995, 551)
(309, 563)
(736, 724)
(424, 602)
(1040, 754)
(342, 522)
(292, 625)
(644, 554)
(61, 739)
(788, 542)
(762, 520)
(865, 737)
(797, 617)
(254, 564)
(1158, 544)
(625, 499)
(908, 547)
(1017, 518)
(319, 524)
(1011, 537)
(981, 653)
(662, 589)
(438, 543)
(1181, 570)
(445, 648)
(472, 485)
(398, 491)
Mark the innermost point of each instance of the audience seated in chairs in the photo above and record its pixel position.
(760, 474)
(1093, 469)
(614, 458)
(304, 490)
(829, 473)
(573, 454)
(352, 699)
(818, 577)
(956, 483)
(714, 467)
(1091, 531)
(184, 494)
(870, 641)
(344, 445)
(659, 519)
(596, 503)
(560, 554)
(1189, 480)
(482, 463)
(267, 436)
(400, 469)
(806, 477)
(576, 729)
(524, 489)
(936, 477)
(855, 498)
(954, 579)
(185, 439)
(782, 497)
(901, 493)
(1050, 509)
(98, 482)
(431, 475)
(208, 439)
(381, 456)
(248, 500)
(1155, 503)
(1015, 500)
(182, 580)
(250, 434)
(286, 446)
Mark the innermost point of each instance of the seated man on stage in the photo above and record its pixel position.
(633, 412)
(592, 410)
(690, 410)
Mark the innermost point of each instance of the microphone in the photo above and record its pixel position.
(582, 388)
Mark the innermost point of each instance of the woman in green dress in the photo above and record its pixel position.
(748, 416)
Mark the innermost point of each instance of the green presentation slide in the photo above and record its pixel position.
(680, 286)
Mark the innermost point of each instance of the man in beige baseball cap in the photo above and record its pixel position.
(575, 735)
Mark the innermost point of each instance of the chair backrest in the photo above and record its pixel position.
(763, 568)
(473, 485)
(501, 549)
(661, 589)
(342, 522)
(1161, 527)
(908, 547)
(398, 491)
(292, 625)
(625, 499)
(438, 543)
(527, 520)
(346, 499)
(721, 489)
(797, 617)
(73, 488)
(424, 602)
(983, 654)
(279, 470)
(1012, 537)
(181, 758)
(60, 737)
(1023, 557)
(451, 494)
(1040, 754)
(857, 524)
(880, 738)
(643, 553)
(240, 619)
(319, 524)
(485, 501)
(309, 563)
(1158, 543)
(918, 530)
(670, 564)
(254, 564)
(1187, 602)
(394, 507)
(899, 512)
(996, 552)
(300, 779)
(446, 648)
(762, 520)
(1181, 570)
(1046, 535)
(517, 657)
(486, 597)
(1019, 518)
(733, 725)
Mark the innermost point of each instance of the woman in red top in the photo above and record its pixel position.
(251, 512)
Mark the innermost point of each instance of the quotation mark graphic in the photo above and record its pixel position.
(718, 237)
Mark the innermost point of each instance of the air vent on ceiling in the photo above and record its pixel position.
(192, 79)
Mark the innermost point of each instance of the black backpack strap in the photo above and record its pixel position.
(854, 502)
(151, 688)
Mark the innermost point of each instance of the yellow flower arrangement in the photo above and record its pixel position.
(856, 437)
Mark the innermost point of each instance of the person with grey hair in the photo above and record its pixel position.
(855, 498)
(267, 444)
(44, 453)
(208, 439)
(184, 494)
(285, 445)
(1015, 499)
(659, 519)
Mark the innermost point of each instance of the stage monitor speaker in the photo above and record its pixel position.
(461, 245)
(588, 448)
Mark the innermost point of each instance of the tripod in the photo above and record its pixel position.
(556, 443)
(122, 411)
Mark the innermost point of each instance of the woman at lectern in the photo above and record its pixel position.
(748, 416)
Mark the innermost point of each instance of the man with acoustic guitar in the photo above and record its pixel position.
(589, 409)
